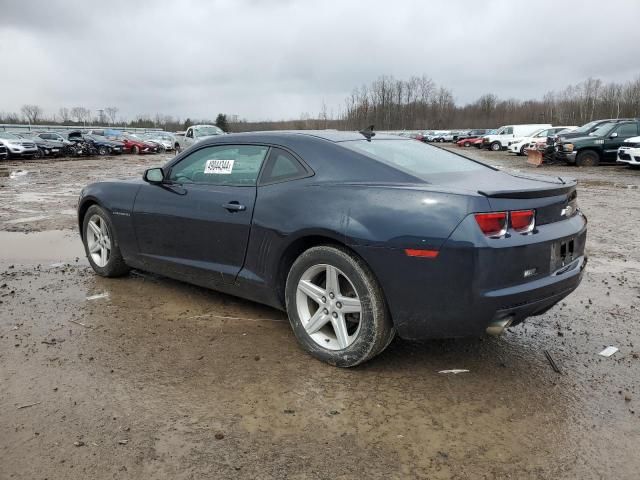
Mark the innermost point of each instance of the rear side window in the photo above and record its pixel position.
(282, 166)
(415, 158)
(237, 165)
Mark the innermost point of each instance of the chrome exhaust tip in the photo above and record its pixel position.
(496, 328)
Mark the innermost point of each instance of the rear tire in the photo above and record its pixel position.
(588, 158)
(98, 236)
(357, 307)
(523, 150)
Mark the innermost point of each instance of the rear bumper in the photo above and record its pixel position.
(474, 282)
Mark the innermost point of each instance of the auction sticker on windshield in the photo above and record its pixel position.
(220, 167)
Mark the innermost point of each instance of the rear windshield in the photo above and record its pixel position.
(413, 157)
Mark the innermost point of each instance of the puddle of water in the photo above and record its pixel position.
(50, 246)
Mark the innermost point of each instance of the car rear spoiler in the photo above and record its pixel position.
(561, 186)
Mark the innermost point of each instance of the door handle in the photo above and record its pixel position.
(234, 207)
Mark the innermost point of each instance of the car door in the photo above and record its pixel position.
(506, 136)
(188, 137)
(615, 139)
(195, 225)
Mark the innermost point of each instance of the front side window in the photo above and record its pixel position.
(508, 131)
(237, 165)
(627, 130)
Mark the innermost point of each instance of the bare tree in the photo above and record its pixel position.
(81, 114)
(111, 113)
(64, 115)
(31, 112)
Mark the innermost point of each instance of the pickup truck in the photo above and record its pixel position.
(195, 134)
(599, 146)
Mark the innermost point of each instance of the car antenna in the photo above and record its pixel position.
(368, 133)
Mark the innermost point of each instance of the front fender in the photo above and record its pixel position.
(117, 198)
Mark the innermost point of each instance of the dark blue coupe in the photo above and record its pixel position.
(356, 236)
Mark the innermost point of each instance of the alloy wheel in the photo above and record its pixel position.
(329, 307)
(98, 241)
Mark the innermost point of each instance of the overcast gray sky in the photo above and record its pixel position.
(274, 59)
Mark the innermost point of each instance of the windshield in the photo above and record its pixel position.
(586, 127)
(415, 158)
(8, 136)
(210, 130)
(602, 129)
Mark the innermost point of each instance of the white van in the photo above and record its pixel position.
(508, 133)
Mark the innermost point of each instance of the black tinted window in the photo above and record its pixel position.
(237, 165)
(282, 166)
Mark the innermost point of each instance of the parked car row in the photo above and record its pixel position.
(615, 140)
(76, 143)
(100, 141)
(601, 141)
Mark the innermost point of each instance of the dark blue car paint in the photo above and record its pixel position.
(374, 209)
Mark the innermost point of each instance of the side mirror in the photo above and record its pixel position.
(153, 175)
(613, 135)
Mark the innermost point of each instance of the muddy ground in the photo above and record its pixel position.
(145, 377)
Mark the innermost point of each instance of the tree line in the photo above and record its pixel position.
(392, 104)
(418, 103)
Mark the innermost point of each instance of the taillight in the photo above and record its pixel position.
(495, 224)
(523, 221)
(492, 224)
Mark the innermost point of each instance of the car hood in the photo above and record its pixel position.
(204, 137)
(573, 135)
(632, 140)
(579, 138)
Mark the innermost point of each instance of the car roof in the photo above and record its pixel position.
(330, 135)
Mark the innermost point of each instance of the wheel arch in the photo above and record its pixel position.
(595, 150)
(302, 244)
(82, 211)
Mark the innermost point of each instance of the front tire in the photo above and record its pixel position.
(336, 308)
(101, 245)
(496, 147)
(102, 151)
(588, 158)
(467, 144)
